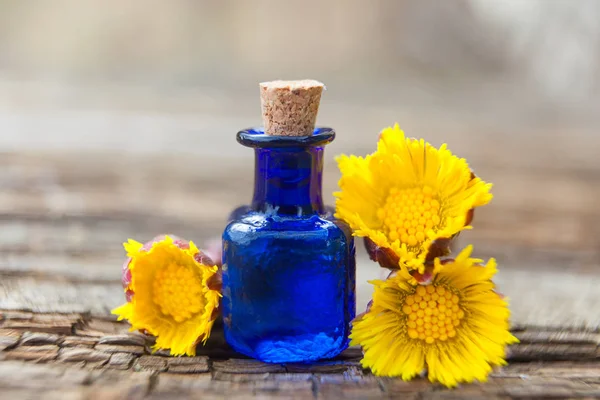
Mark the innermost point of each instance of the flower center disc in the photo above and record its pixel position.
(433, 313)
(409, 213)
(178, 292)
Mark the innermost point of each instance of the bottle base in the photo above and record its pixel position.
(296, 349)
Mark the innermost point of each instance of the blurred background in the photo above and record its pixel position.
(118, 119)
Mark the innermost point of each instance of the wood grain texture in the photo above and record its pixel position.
(64, 216)
(65, 212)
(557, 299)
(548, 363)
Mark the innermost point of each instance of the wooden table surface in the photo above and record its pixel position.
(67, 202)
(77, 355)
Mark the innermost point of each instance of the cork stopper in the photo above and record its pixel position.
(289, 108)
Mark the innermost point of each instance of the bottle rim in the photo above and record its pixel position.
(256, 137)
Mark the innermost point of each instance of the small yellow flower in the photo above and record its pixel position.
(172, 293)
(456, 327)
(408, 195)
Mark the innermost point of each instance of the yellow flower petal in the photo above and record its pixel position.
(456, 327)
(171, 297)
(407, 194)
(132, 247)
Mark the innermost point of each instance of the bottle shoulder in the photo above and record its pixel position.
(252, 223)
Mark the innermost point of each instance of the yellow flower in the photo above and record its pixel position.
(456, 327)
(172, 293)
(407, 195)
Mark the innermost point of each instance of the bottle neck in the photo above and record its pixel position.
(288, 180)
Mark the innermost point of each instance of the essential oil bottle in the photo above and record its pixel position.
(288, 265)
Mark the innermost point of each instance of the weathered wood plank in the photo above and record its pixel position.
(540, 335)
(131, 351)
(102, 326)
(124, 340)
(57, 295)
(121, 361)
(109, 348)
(77, 354)
(515, 381)
(243, 366)
(78, 341)
(53, 327)
(323, 367)
(552, 351)
(187, 365)
(38, 354)
(338, 387)
(39, 338)
(9, 338)
(579, 369)
(551, 298)
(151, 363)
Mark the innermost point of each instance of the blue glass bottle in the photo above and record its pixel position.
(288, 265)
